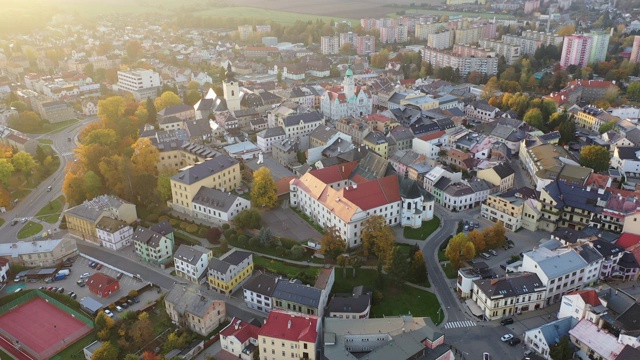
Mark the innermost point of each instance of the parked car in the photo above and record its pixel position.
(493, 252)
(99, 266)
(85, 275)
(118, 308)
(49, 288)
(17, 279)
(506, 337)
(61, 290)
(124, 305)
(14, 222)
(476, 225)
(54, 289)
(503, 267)
(42, 288)
(506, 321)
(515, 341)
(136, 300)
(119, 276)
(108, 312)
(528, 352)
(18, 290)
(130, 302)
(93, 264)
(466, 228)
(486, 356)
(485, 256)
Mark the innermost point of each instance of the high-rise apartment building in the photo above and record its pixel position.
(510, 52)
(141, 83)
(530, 41)
(349, 38)
(599, 45)
(423, 31)
(635, 51)
(461, 63)
(329, 45)
(576, 50)
(442, 40)
(244, 31)
(366, 45)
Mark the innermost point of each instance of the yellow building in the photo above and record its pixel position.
(288, 335)
(230, 272)
(500, 176)
(174, 158)
(377, 142)
(222, 173)
(506, 208)
(82, 219)
(592, 118)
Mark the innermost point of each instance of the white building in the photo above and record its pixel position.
(541, 339)
(258, 290)
(113, 234)
(329, 45)
(627, 160)
(346, 100)
(266, 138)
(217, 207)
(299, 126)
(509, 295)
(141, 83)
(583, 304)
(429, 144)
(240, 339)
(191, 262)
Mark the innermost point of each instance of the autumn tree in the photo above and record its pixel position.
(477, 238)
(343, 261)
(142, 330)
(495, 235)
(418, 270)
(633, 90)
(490, 89)
(150, 355)
(111, 109)
(398, 266)
(164, 187)
(356, 263)
(92, 185)
(595, 157)
(460, 250)
(247, 219)
(332, 245)
(264, 192)
(534, 118)
(73, 185)
(167, 99)
(378, 238)
(566, 30)
(145, 157)
(6, 169)
(5, 197)
(107, 351)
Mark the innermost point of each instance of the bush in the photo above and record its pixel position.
(297, 252)
(202, 232)
(243, 240)
(192, 228)
(152, 218)
(184, 225)
(213, 235)
(288, 243)
(226, 226)
(133, 293)
(281, 251)
(254, 242)
(228, 233)
(163, 218)
(174, 222)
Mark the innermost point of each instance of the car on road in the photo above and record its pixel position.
(108, 313)
(486, 356)
(23, 220)
(506, 321)
(515, 341)
(85, 275)
(14, 222)
(506, 337)
(493, 252)
(49, 188)
(99, 266)
(528, 352)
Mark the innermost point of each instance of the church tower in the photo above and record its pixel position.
(231, 90)
(348, 84)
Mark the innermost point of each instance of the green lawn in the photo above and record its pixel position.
(51, 212)
(29, 229)
(4, 355)
(45, 141)
(55, 128)
(284, 268)
(423, 232)
(2, 221)
(76, 349)
(282, 17)
(449, 271)
(443, 248)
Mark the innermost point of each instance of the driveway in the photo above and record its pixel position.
(285, 223)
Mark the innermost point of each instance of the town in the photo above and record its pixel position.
(453, 179)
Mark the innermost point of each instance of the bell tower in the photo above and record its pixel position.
(231, 90)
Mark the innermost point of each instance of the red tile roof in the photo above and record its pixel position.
(374, 193)
(99, 281)
(431, 136)
(333, 174)
(376, 117)
(241, 330)
(627, 240)
(282, 185)
(3, 261)
(589, 296)
(597, 180)
(290, 326)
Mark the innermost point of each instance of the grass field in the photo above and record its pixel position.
(282, 17)
(423, 232)
(453, 13)
(284, 268)
(45, 141)
(29, 229)
(51, 212)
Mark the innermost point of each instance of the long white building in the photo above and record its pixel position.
(141, 83)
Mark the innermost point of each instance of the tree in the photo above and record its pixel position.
(92, 185)
(247, 219)
(133, 49)
(494, 236)
(378, 238)
(606, 126)
(191, 97)
(356, 263)
(167, 99)
(460, 250)
(332, 245)
(150, 355)
(561, 350)
(6, 169)
(19, 106)
(23, 162)
(73, 185)
(342, 261)
(533, 117)
(213, 235)
(264, 192)
(26, 121)
(164, 187)
(595, 157)
(142, 330)
(145, 156)
(418, 270)
(633, 91)
(106, 137)
(566, 30)
(398, 267)
(107, 351)
(490, 89)
(152, 112)
(478, 240)
(110, 109)
(567, 131)
(5, 197)
(611, 94)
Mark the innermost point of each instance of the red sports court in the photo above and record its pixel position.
(40, 328)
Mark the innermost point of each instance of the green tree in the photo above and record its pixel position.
(26, 121)
(567, 131)
(342, 262)
(19, 106)
(460, 250)
(398, 266)
(191, 97)
(607, 126)
(561, 350)
(167, 99)
(595, 157)
(106, 137)
(356, 263)
(633, 91)
(533, 117)
(23, 162)
(418, 268)
(107, 351)
(247, 219)
(164, 187)
(332, 245)
(152, 111)
(264, 192)
(92, 185)
(378, 239)
(6, 169)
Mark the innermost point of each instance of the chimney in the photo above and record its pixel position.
(289, 324)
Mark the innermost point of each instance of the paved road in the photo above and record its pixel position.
(39, 197)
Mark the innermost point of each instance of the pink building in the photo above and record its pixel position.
(635, 52)
(366, 45)
(576, 50)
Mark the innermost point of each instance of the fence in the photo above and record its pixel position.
(65, 308)
(27, 351)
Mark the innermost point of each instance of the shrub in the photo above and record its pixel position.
(226, 226)
(288, 243)
(133, 293)
(213, 235)
(297, 252)
(174, 222)
(153, 218)
(254, 242)
(243, 238)
(184, 225)
(228, 233)
(192, 228)
(163, 218)
(233, 238)
(281, 251)
(202, 232)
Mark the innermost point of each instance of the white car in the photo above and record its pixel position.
(85, 275)
(108, 313)
(506, 337)
(118, 308)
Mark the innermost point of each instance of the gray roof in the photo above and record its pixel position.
(163, 227)
(92, 209)
(204, 169)
(190, 254)
(511, 285)
(503, 170)
(188, 299)
(262, 283)
(213, 198)
(175, 109)
(349, 304)
(400, 133)
(628, 152)
(272, 132)
(298, 293)
(306, 118)
(556, 264)
(323, 133)
(198, 128)
(169, 120)
(223, 264)
(555, 330)
(147, 236)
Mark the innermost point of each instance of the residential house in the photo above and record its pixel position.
(191, 261)
(217, 207)
(506, 208)
(258, 291)
(266, 138)
(113, 234)
(222, 172)
(509, 295)
(294, 296)
(240, 339)
(189, 307)
(402, 337)
(300, 126)
(4, 269)
(594, 341)
(356, 305)
(230, 272)
(102, 284)
(481, 111)
(377, 142)
(627, 160)
(565, 205)
(541, 339)
(55, 111)
(501, 176)
(592, 118)
(83, 219)
(291, 335)
(152, 246)
(429, 144)
(402, 136)
(40, 253)
(584, 304)
(286, 152)
(89, 108)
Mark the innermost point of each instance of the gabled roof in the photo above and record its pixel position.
(240, 330)
(204, 169)
(262, 283)
(175, 110)
(306, 118)
(233, 258)
(99, 281)
(511, 285)
(374, 193)
(589, 296)
(333, 174)
(295, 291)
(290, 326)
(503, 170)
(555, 330)
(215, 199)
(190, 254)
(628, 240)
(147, 237)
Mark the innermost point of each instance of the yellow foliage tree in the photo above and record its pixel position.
(332, 244)
(167, 99)
(460, 250)
(378, 239)
(264, 192)
(145, 156)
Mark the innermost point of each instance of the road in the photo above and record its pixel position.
(39, 197)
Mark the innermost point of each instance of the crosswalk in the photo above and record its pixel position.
(460, 324)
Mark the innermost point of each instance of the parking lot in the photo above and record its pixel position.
(80, 267)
